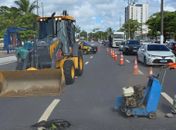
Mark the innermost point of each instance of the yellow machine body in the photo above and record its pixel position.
(33, 81)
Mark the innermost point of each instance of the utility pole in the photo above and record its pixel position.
(37, 7)
(129, 1)
(120, 21)
(162, 26)
(42, 9)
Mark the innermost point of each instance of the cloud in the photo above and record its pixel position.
(91, 14)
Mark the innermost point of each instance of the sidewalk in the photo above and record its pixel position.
(7, 58)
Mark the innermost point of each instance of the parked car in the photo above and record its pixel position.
(172, 46)
(131, 47)
(88, 47)
(155, 54)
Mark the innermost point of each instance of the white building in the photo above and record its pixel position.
(138, 12)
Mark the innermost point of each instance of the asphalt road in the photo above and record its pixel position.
(88, 103)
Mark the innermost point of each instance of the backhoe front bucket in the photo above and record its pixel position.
(31, 83)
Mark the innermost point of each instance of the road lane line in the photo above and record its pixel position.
(49, 110)
(91, 57)
(167, 97)
(140, 72)
(127, 61)
(86, 63)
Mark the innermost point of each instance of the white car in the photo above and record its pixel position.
(155, 54)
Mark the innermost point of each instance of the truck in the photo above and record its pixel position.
(118, 39)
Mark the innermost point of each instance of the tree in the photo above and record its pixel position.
(169, 25)
(130, 27)
(77, 29)
(109, 31)
(8, 17)
(25, 6)
(83, 34)
(20, 16)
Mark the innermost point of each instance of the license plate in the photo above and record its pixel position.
(134, 50)
(163, 61)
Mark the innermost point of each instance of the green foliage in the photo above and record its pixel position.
(154, 24)
(77, 29)
(130, 27)
(109, 31)
(83, 34)
(22, 16)
(25, 7)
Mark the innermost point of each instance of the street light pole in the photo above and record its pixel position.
(128, 19)
(37, 7)
(162, 26)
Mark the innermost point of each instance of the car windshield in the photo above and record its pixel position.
(157, 48)
(133, 43)
(119, 36)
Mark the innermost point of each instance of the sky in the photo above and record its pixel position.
(91, 14)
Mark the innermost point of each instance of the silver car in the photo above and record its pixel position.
(155, 54)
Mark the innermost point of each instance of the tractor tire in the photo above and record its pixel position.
(80, 68)
(69, 72)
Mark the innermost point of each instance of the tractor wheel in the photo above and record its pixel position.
(152, 115)
(80, 68)
(69, 72)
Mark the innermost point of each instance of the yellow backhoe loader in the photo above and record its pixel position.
(43, 67)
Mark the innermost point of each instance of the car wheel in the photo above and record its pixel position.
(124, 52)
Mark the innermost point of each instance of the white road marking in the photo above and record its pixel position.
(48, 111)
(167, 97)
(86, 63)
(140, 72)
(91, 57)
(127, 61)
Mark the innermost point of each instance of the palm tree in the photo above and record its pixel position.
(25, 6)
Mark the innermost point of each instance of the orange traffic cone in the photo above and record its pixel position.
(121, 59)
(135, 68)
(115, 57)
(113, 53)
(150, 71)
